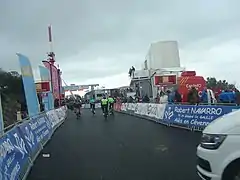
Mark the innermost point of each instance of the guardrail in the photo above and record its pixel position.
(192, 117)
(20, 146)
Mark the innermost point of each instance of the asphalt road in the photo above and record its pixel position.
(122, 148)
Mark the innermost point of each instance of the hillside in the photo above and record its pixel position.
(12, 93)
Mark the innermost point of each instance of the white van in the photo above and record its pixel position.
(219, 150)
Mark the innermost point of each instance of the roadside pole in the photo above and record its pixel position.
(1, 117)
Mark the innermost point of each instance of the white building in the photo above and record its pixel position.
(162, 54)
(161, 60)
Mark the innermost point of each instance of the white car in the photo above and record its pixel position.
(219, 150)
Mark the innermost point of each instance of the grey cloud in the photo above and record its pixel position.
(87, 30)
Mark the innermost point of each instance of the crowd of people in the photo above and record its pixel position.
(207, 96)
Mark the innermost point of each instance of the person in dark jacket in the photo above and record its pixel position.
(146, 99)
(204, 96)
(178, 97)
(193, 97)
(237, 95)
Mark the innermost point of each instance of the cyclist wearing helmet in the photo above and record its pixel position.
(77, 106)
(111, 102)
(92, 104)
(104, 104)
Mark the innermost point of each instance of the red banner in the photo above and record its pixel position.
(165, 80)
(54, 77)
(42, 86)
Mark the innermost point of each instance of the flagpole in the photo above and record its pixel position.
(52, 61)
(50, 38)
(1, 117)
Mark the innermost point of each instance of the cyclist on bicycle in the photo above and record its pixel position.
(77, 106)
(92, 104)
(111, 102)
(104, 105)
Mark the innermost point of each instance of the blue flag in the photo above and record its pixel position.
(51, 100)
(29, 85)
(44, 73)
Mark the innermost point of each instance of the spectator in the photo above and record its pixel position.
(227, 97)
(207, 96)
(56, 103)
(171, 96)
(161, 94)
(178, 97)
(146, 99)
(42, 107)
(237, 94)
(193, 97)
(163, 97)
(130, 100)
(24, 110)
(204, 96)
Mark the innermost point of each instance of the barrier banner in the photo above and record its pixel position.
(87, 106)
(124, 106)
(140, 109)
(117, 107)
(60, 113)
(195, 116)
(14, 160)
(53, 118)
(98, 105)
(64, 108)
(23, 142)
(41, 128)
(30, 139)
(155, 111)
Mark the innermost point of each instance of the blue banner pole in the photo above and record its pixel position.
(29, 85)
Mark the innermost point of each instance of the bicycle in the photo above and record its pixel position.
(78, 113)
(105, 113)
(93, 108)
(111, 112)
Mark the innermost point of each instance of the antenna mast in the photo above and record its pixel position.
(51, 54)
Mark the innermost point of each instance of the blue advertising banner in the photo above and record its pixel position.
(53, 118)
(13, 156)
(21, 143)
(41, 128)
(30, 139)
(29, 85)
(195, 116)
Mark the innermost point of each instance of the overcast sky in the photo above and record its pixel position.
(97, 41)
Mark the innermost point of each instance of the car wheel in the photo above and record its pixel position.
(232, 172)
